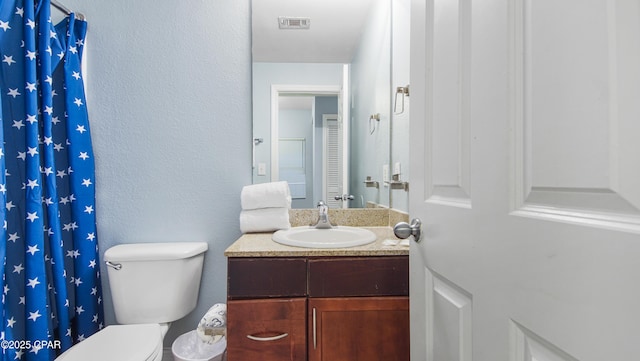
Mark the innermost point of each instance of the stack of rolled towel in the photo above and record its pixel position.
(265, 207)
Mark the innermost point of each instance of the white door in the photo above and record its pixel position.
(525, 171)
(332, 161)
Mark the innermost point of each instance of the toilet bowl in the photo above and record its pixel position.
(141, 342)
(152, 284)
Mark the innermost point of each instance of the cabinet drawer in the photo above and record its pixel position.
(266, 330)
(266, 277)
(359, 276)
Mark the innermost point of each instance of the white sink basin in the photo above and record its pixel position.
(337, 237)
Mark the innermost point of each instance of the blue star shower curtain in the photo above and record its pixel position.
(51, 276)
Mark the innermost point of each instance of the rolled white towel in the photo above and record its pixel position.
(266, 195)
(264, 220)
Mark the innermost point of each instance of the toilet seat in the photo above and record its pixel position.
(140, 342)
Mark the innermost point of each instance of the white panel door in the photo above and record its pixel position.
(332, 160)
(525, 171)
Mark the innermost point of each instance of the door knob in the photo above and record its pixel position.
(344, 197)
(404, 230)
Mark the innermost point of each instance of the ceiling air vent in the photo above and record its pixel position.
(286, 22)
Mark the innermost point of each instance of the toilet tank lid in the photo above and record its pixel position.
(154, 251)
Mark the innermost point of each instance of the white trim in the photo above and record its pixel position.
(613, 222)
(344, 122)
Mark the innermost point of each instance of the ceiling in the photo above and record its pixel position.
(336, 27)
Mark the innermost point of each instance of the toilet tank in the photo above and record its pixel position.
(154, 282)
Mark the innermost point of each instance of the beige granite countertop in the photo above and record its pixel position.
(377, 220)
(261, 245)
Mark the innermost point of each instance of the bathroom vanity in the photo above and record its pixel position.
(293, 303)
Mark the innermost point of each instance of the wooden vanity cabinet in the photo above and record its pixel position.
(362, 328)
(318, 308)
(267, 329)
(266, 309)
(358, 309)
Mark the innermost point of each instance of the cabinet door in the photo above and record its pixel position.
(359, 329)
(267, 330)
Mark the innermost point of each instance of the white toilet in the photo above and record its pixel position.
(152, 284)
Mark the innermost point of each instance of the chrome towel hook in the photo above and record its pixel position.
(404, 91)
(373, 118)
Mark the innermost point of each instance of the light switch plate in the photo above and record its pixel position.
(396, 168)
(262, 169)
(385, 173)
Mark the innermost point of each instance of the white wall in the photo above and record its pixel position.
(370, 78)
(169, 98)
(400, 78)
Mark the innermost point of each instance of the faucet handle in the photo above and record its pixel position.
(323, 216)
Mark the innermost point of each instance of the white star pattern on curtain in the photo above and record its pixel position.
(51, 278)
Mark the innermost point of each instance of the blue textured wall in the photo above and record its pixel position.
(370, 83)
(169, 97)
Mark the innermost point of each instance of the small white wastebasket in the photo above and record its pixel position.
(189, 347)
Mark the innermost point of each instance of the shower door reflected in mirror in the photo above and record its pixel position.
(342, 59)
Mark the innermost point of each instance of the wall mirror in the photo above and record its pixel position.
(322, 99)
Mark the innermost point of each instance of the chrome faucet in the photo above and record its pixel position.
(323, 217)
